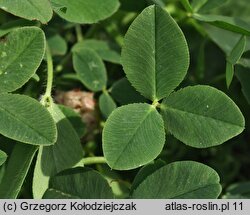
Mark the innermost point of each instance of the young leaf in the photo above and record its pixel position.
(24, 119)
(102, 48)
(21, 53)
(155, 55)
(233, 24)
(237, 51)
(106, 104)
(85, 12)
(133, 135)
(131, 95)
(3, 157)
(229, 73)
(78, 183)
(202, 116)
(16, 171)
(32, 10)
(90, 69)
(180, 180)
(64, 154)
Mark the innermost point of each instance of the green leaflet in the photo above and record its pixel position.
(3, 157)
(102, 48)
(133, 135)
(106, 104)
(64, 154)
(180, 180)
(25, 120)
(237, 51)
(229, 73)
(131, 96)
(233, 24)
(90, 69)
(17, 168)
(78, 183)
(155, 55)
(29, 9)
(21, 53)
(233, 58)
(57, 44)
(85, 12)
(202, 116)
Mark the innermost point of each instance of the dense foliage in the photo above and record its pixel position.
(124, 99)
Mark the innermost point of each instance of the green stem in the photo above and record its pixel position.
(187, 6)
(79, 33)
(47, 96)
(94, 160)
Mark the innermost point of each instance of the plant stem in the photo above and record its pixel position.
(47, 96)
(94, 160)
(50, 72)
(79, 33)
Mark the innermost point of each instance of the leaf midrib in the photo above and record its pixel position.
(133, 135)
(154, 73)
(193, 190)
(27, 125)
(199, 115)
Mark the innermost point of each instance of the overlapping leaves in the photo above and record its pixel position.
(53, 159)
